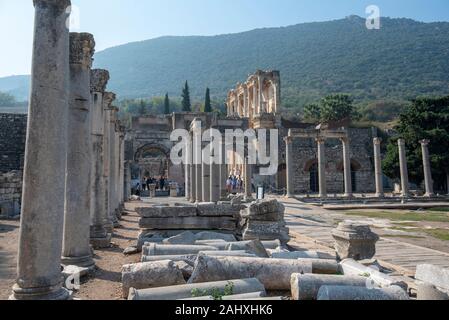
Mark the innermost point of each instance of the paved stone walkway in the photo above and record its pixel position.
(311, 222)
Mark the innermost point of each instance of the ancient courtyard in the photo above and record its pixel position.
(95, 208)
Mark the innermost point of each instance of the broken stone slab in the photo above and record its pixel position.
(354, 240)
(166, 212)
(262, 207)
(208, 235)
(351, 267)
(306, 286)
(428, 292)
(437, 276)
(188, 223)
(75, 271)
(186, 269)
(146, 236)
(189, 259)
(301, 255)
(221, 210)
(253, 246)
(189, 290)
(274, 274)
(130, 251)
(154, 249)
(342, 293)
(266, 230)
(212, 242)
(243, 296)
(186, 237)
(323, 266)
(150, 274)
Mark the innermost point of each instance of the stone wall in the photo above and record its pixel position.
(10, 193)
(12, 141)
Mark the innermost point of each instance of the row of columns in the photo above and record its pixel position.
(428, 181)
(73, 185)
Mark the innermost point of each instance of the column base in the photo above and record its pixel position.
(380, 195)
(101, 242)
(429, 195)
(48, 293)
(81, 262)
(348, 195)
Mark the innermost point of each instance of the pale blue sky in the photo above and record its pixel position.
(115, 22)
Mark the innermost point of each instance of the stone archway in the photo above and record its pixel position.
(153, 161)
(312, 167)
(355, 167)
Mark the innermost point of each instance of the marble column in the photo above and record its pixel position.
(215, 179)
(127, 193)
(121, 184)
(187, 171)
(403, 166)
(112, 167)
(205, 168)
(427, 169)
(224, 172)
(118, 212)
(347, 167)
(289, 160)
(321, 142)
(248, 175)
(108, 98)
(99, 237)
(41, 225)
(378, 168)
(76, 245)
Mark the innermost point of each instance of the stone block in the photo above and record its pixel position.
(182, 238)
(166, 212)
(188, 223)
(342, 293)
(434, 275)
(208, 235)
(353, 240)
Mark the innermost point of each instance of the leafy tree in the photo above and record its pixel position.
(312, 112)
(186, 104)
(336, 107)
(7, 100)
(207, 103)
(142, 108)
(425, 118)
(166, 105)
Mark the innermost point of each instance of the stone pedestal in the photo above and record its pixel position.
(76, 246)
(378, 168)
(152, 188)
(354, 241)
(404, 171)
(427, 169)
(173, 190)
(38, 270)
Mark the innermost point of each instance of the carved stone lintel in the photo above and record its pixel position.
(98, 80)
(82, 48)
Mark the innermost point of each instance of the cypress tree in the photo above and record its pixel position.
(186, 104)
(207, 104)
(167, 105)
(142, 108)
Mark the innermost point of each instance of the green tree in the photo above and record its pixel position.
(186, 104)
(142, 108)
(207, 103)
(166, 105)
(336, 107)
(312, 112)
(6, 100)
(425, 118)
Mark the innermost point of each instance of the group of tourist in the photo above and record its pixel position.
(234, 184)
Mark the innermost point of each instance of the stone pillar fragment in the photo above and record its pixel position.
(76, 249)
(99, 236)
(41, 227)
(347, 167)
(427, 170)
(404, 171)
(378, 168)
(289, 160)
(322, 167)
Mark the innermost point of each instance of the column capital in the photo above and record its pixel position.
(401, 142)
(424, 142)
(344, 139)
(320, 140)
(377, 141)
(108, 98)
(59, 4)
(288, 139)
(99, 78)
(82, 48)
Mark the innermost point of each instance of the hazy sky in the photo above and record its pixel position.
(115, 22)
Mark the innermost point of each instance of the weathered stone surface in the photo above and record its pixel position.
(187, 258)
(185, 291)
(212, 210)
(351, 267)
(149, 275)
(75, 271)
(237, 253)
(262, 208)
(306, 286)
(188, 223)
(266, 230)
(274, 274)
(428, 292)
(183, 238)
(354, 240)
(252, 246)
(207, 235)
(301, 255)
(323, 266)
(166, 212)
(152, 249)
(186, 269)
(130, 251)
(243, 296)
(437, 276)
(359, 293)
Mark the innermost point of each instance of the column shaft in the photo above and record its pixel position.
(347, 167)
(378, 168)
(427, 169)
(403, 167)
(322, 167)
(289, 160)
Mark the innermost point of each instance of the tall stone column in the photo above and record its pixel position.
(109, 97)
(205, 168)
(215, 178)
(76, 246)
(122, 169)
(321, 142)
(118, 212)
(192, 176)
(41, 225)
(187, 172)
(289, 160)
(224, 172)
(127, 193)
(347, 167)
(99, 237)
(403, 167)
(378, 168)
(112, 167)
(248, 177)
(427, 169)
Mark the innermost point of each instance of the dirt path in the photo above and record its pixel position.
(9, 239)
